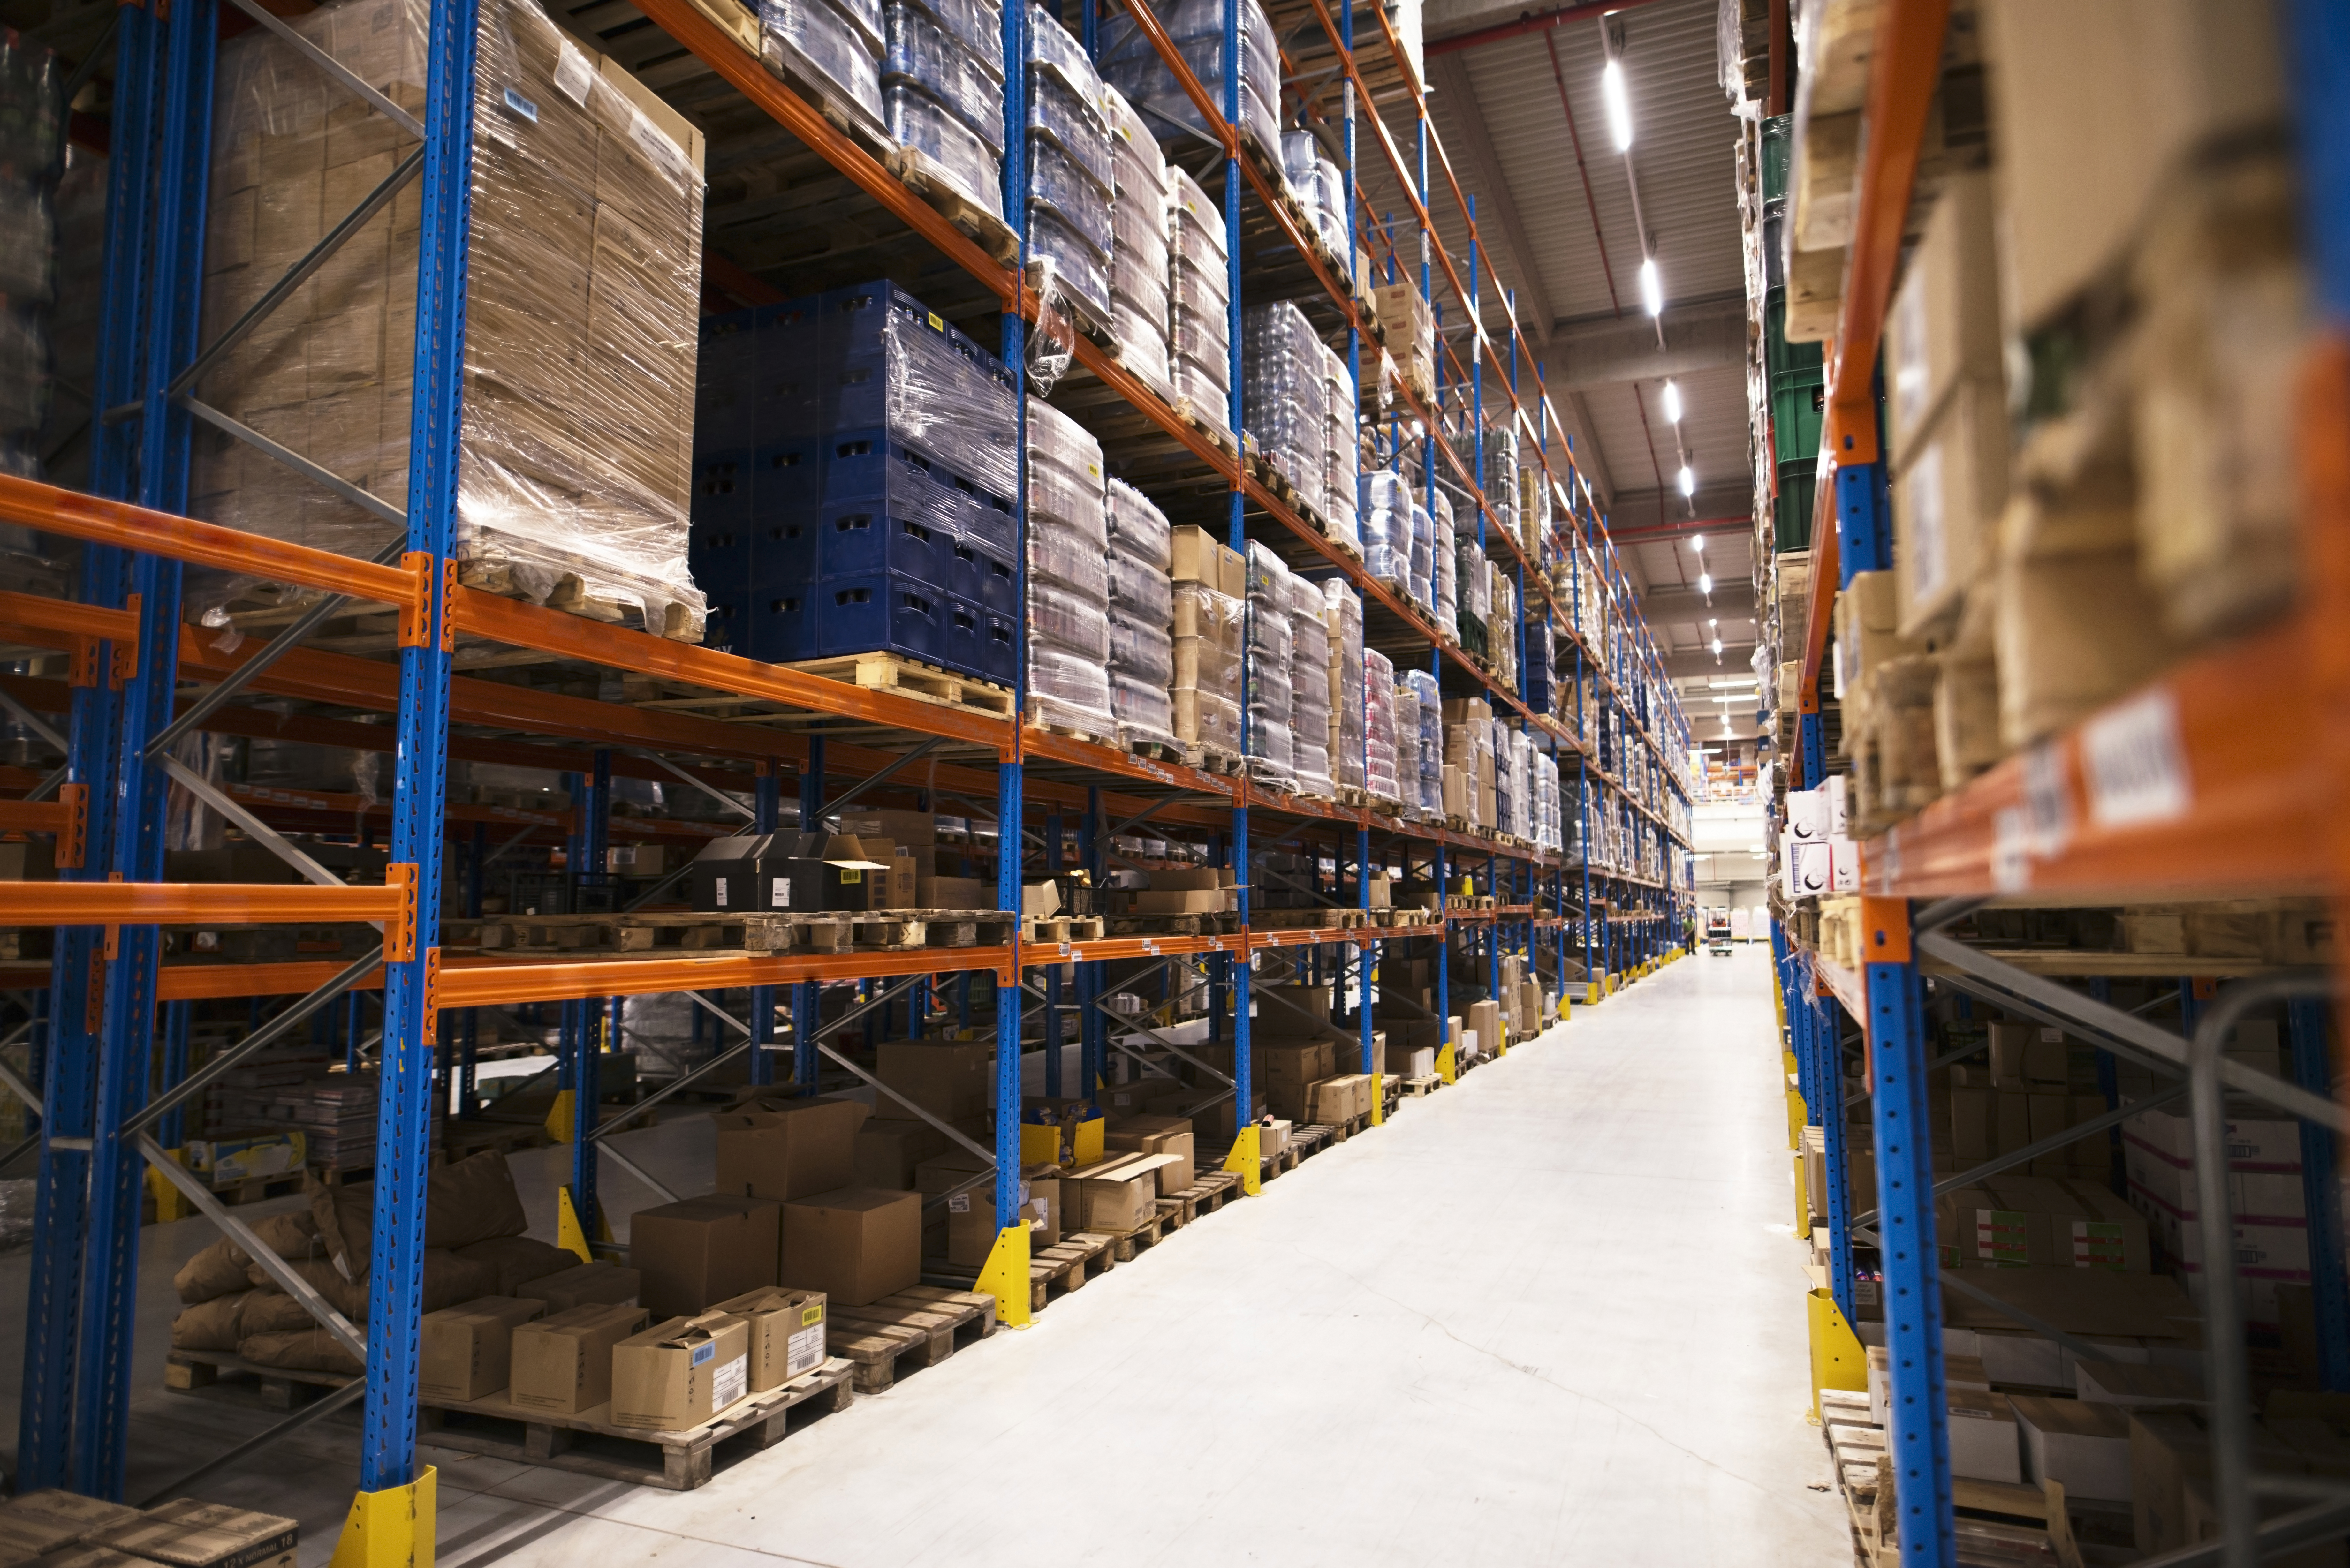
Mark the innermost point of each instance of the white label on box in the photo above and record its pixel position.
(959, 1204)
(721, 892)
(522, 106)
(1922, 489)
(2135, 768)
(729, 1383)
(782, 894)
(572, 72)
(2011, 859)
(803, 1350)
(2046, 804)
(655, 144)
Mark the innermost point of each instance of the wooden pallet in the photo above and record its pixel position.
(907, 678)
(275, 1387)
(1060, 931)
(589, 592)
(925, 179)
(1307, 920)
(670, 932)
(1203, 925)
(1125, 1244)
(1065, 1266)
(1211, 1191)
(1209, 758)
(1419, 1088)
(591, 1444)
(922, 1325)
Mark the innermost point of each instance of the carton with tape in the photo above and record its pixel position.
(787, 1333)
(682, 1372)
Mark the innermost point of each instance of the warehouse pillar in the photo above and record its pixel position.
(392, 1516)
(1919, 1437)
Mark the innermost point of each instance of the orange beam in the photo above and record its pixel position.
(491, 984)
(2231, 794)
(119, 523)
(183, 903)
(35, 816)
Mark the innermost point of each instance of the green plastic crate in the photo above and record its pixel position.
(1798, 410)
(1791, 513)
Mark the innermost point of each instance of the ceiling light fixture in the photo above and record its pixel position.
(1619, 104)
(1672, 403)
(1687, 478)
(1652, 287)
(1717, 648)
(1705, 582)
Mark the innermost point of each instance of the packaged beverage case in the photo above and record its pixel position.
(582, 302)
(1141, 617)
(855, 470)
(1068, 577)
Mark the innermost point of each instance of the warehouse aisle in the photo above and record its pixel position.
(1548, 1315)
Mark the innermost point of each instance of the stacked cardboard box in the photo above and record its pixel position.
(1409, 325)
(1209, 583)
(583, 283)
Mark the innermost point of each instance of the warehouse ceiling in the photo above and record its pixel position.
(1523, 118)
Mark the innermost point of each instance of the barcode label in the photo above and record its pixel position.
(2137, 768)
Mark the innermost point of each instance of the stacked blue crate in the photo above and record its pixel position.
(854, 458)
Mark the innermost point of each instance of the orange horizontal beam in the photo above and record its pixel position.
(491, 984)
(2204, 783)
(180, 903)
(215, 981)
(118, 522)
(35, 816)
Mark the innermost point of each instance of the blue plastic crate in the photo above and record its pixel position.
(865, 468)
(719, 534)
(988, 520)
(986, 577)
(960, 644)
(880, 614)
(857, 541)
(726, 382)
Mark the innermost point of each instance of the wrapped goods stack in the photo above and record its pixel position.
(32, 122)
(1141, 619)
(1068, 577)
(1132, 66)
(1500, 479)
(1502, 629)
(1430, 714)
(1271, 649)
(1542, 663)
(1384, 517)
(1320, 189)
(1287, 397)
(1209, 627)
(1199, 303)
(1070, 175)
(1309, 694)
(942, 92)
(1444, 569)
(854, 465)
(583, 288)
(1382, 728)
(1341, 453)
(1138, 257)
(835, 51)
(1342, 614)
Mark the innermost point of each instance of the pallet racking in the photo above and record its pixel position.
(135, 671)
(2241, 747)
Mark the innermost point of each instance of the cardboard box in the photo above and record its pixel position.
(49, 1519)
(599, 1284)
(682, 1372)
(467, 1351)
(972, 1229)
(911, 829)
(2070, 634)
(702, 1250)
(192, 1534)
(2082, 1445)
(953, 892)
(787, 1333)
(1411, 1061)
(2072, 193)
(798, 1147)
(1170, 1136)
(1944, 325)
(1947, 493)
(563, 1361)
(1983, 1444)
(857, 1244)
(947, 1078)
(1119, 1194)
(885, 1154)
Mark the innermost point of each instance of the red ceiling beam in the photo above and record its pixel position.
(1533, 22)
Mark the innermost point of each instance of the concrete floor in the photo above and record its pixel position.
(1550, 1315)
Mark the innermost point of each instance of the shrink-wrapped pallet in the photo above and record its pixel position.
(1342, 615)
(1270, 646)
(1068, 577)
(1309, 690)
(1382, 730)
(583, 287)
(1141, 619)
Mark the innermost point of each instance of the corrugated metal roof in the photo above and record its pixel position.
(1684, 136)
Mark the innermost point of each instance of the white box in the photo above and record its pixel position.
(1805, 870)
(1808, 816)
(1983, 1444)
(2127, 1386)
(2080, 1444)
(2019, 1355)
(1844, 865)
(1833, 790)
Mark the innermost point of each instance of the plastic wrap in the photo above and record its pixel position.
(1400, 758)
(1058, 113)
(1141, 346)
(924, 53)
(1131, 64)
(811, 36)
(1378, 760)
(1066, 447)
(1139, 591)
(1286, 403)
(1138, 528)
(1499, 480)
(1203, 291)
(1201, 339)
(1444, 566)
(1083, 272)
(1055, 181)
(1069, 688)
(1064, 552)
(977, 26)
(917, 120)
(1476, 582)
(1197, 220)
(1142, 707)
(1431, 740)
(1271, 646)
(1136, 282)
(1139, 646)
(888, 359)
(583, 282)
(1423, 557)
(1067, 617)
(1051, 47)
(1342, 620)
